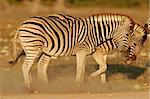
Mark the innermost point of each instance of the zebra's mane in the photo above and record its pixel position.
(139, 31)
(115, 17)
(138, 27)
(111, 14)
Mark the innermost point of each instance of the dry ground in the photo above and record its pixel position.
(127, 95)
(124, 81)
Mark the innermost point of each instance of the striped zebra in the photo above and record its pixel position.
(48, 37)
(97, 48)
(33, 34)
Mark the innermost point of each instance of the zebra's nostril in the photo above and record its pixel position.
(127, 34)
(134, 57)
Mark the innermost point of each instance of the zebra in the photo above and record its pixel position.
(138, 37)
(52, 37)
(97, 55)
(39, 27)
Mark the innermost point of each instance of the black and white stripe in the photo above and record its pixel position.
(63, 35)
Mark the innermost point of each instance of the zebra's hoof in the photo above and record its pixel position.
(35, 92)
(11, 62)
(32, 91)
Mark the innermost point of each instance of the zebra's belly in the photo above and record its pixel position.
(104, 51)
(57, 53)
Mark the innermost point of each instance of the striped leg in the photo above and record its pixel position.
(26, 67)
(101, 60)
(80, 69)
(42, 68)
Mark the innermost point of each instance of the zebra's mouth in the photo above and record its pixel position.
(131, 59)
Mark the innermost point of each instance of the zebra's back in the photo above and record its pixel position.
(49, 33)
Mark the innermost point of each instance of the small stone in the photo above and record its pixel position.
(9, 26)
(88, 93)
(136, 87)
(109, 95)
(146, 84)
(144, 54)
(35, 91)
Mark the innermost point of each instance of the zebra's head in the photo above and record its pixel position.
(138, 37)
(123, 34)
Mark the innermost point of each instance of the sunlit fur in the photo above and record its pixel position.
(105, 33)
(59, 35)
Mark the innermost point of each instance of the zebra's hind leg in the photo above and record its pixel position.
(26, 67)
(42, 68)
(80, 69)
(101, 60)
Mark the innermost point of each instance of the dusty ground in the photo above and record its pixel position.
(127, 95)
(62, 73)
(124, 81)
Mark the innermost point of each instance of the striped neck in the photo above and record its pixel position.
(105, 26)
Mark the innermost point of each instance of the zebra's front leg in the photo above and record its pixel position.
(80, 68)
(42, 68)
(103, 75)
(101, 60)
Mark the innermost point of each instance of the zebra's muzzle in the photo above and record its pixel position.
(131, 59)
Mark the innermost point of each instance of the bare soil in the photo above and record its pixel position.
(119, 95)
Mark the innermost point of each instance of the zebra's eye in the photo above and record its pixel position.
(134, 44)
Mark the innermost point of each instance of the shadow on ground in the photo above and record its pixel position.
(132, 72)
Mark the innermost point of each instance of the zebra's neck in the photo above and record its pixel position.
(105, 27)
(107, 46)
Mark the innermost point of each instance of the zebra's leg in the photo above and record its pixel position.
(80, 69)
(103, 75)
(42, 68)
(26, 67)
(101, 60)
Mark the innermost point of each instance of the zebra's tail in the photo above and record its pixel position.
(16, 54)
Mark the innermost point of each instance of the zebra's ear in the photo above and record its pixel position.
(146, 28)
